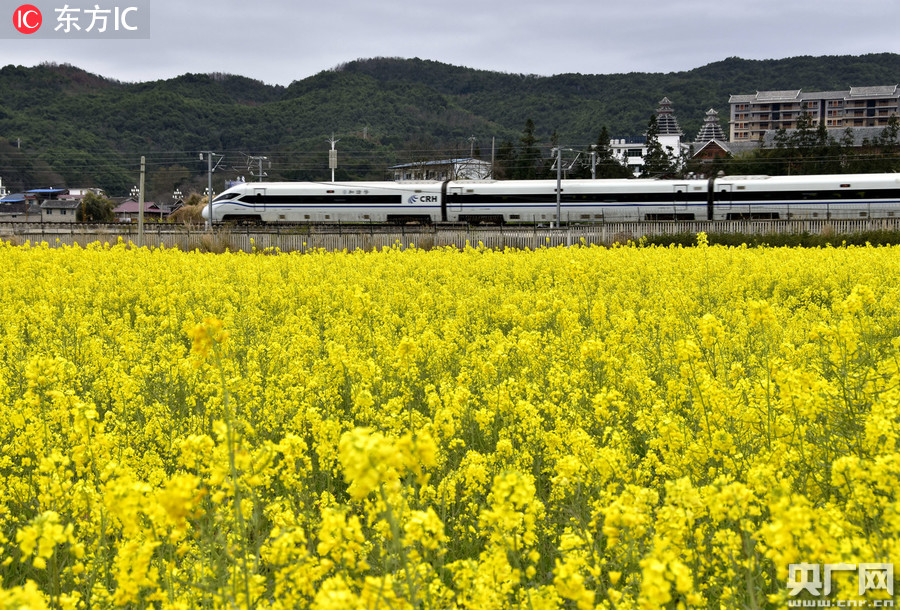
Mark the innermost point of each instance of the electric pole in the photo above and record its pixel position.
(141, 206)
(209, 192)
(261, 173)
(332, 156)
(558, 184)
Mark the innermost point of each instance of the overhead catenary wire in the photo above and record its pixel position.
(313, 164)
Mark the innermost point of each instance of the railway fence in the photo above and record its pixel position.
(303, 238)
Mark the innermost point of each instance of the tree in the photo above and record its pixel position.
(804, 136)
(95, 208)
(607, 164)
(506, 161)
(891, 132)
(530, 162)
(657, 162)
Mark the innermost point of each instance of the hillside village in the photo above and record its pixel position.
(857, 117)
(860, 113)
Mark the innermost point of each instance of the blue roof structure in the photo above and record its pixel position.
(45, 192)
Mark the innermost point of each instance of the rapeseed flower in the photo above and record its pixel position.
(565, 427)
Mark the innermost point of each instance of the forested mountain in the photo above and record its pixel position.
(62, 125)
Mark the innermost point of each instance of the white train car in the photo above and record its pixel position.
(837, 196)
(535, 201)
(328, 202)
(579, 201)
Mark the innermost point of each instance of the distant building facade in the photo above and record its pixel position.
(59, 210)
(448, 169)
(859, 107)
(16, 208)
(129, 211)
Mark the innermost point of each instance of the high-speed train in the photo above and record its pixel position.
(580, 201)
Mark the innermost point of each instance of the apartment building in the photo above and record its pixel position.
(753, 115)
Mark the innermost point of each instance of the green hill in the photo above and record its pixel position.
(60, 124)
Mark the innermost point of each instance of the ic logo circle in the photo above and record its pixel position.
(27, 19)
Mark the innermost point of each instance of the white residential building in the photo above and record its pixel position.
(631, 151)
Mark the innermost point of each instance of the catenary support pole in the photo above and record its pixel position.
(141, 205)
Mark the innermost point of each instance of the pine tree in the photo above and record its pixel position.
(607, 164)
(506, 161)
(529, 159)
(657, 162)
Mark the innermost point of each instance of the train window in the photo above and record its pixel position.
(281, 217)
(306, 216)
(588, 216)
(366, 216)
(327, 217)
(863, 214)
(514, 217)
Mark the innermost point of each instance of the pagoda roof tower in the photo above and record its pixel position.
(665, 119)
(711, 129)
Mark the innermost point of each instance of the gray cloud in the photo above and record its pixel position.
(279, 41)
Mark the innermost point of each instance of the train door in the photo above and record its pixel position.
(724, 199)
(680, 199)
(678, 211)
(454, 198)
(259, 195)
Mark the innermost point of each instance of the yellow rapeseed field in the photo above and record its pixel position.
(560, 428)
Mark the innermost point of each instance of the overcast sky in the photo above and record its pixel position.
(280, 41)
